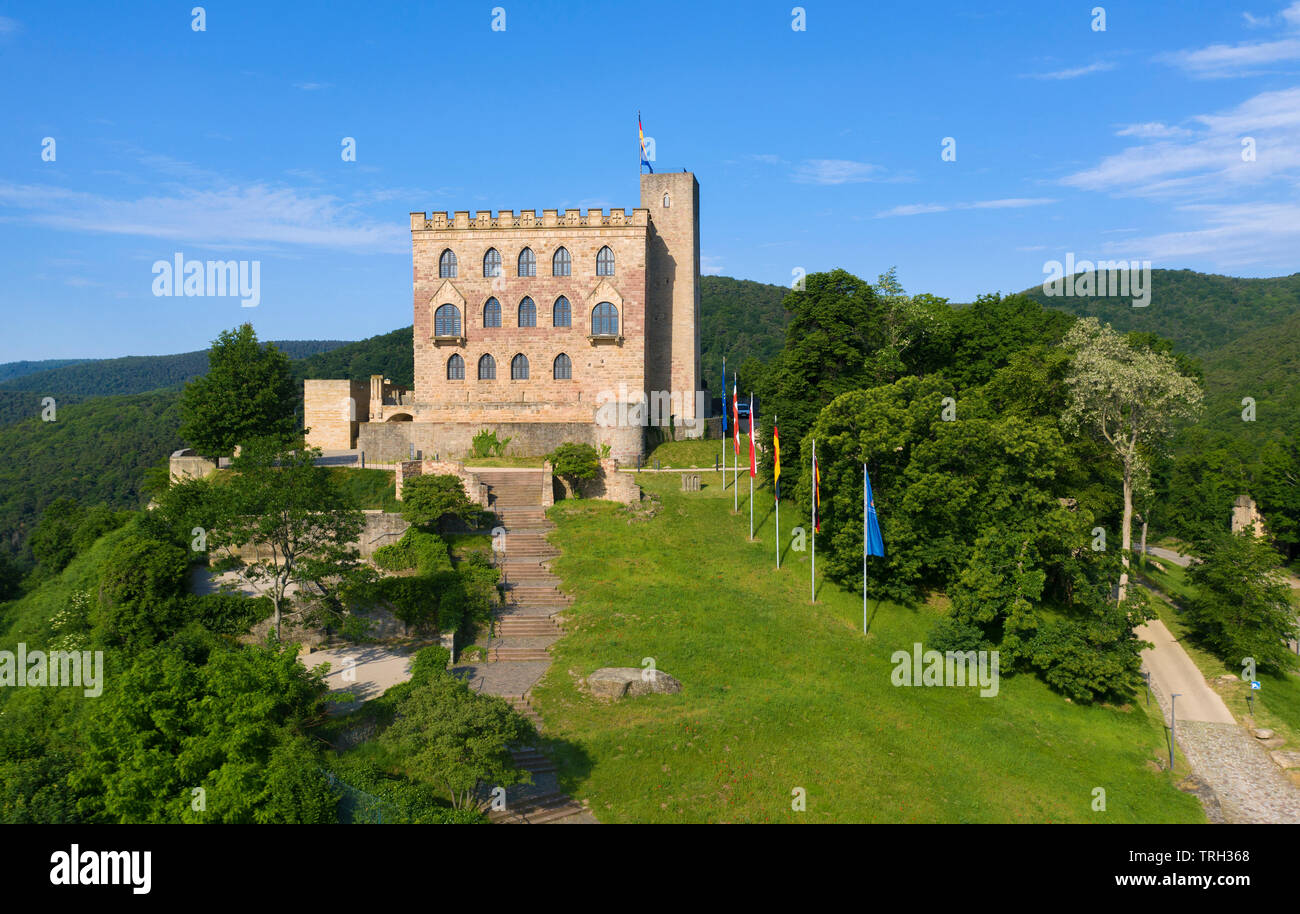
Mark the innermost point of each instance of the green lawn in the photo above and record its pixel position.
(782, 694)
(505, 461)
(700, 452)
(371, 489)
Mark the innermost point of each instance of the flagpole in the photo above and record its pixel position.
(751, 467)
(813, 579)
(724, 423)
(864, 549)
(776, 494)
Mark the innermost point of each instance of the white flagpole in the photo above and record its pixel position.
(724, 422)
(776, 490)
(813, 580)
(864, 549)
(751, 475)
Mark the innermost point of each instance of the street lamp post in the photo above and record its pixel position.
(1173, 722)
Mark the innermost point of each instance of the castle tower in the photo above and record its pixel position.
(673, 289)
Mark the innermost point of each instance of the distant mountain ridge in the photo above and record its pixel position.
(1197, 312)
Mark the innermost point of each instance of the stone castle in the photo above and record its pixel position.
(563, 326)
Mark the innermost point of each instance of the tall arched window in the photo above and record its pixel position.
(446, 321)
(563, 368)
(487, 368)
(492, 263)
(604, 320)
(561, 263)
(455, 368)
(519, 368)
(667, 201)
(527, 313)
(447, 265)
(605, 262)
(492, 313)
(527, 262)
(561, 315)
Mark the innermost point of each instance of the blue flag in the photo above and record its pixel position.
(875, 544)
(724, 393)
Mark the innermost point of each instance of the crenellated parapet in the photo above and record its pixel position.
(464, 220)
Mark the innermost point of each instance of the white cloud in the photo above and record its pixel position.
(8, 26)
(710, 265)
(1225, 60)
(311, 87)
(1208, 161)
(1245, 58)
(1152, 129)
(231, 216)
(836, 171)
(1227, 209)
(917, 209)
(1073, 72)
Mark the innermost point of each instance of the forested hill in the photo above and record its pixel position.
(135, 374)
(1197, 312)
(10, 370)
(740, 319)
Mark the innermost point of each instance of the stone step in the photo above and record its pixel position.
(527, 626)
(560, 808)
(517, 654)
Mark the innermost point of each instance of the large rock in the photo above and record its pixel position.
(1287, 759)
(617, 682)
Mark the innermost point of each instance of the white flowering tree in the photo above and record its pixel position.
(1132, 397)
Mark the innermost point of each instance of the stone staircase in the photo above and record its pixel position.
(525, 627)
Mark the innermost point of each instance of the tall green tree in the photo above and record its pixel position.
(457, 739)
(282, 524)
(1242, 604)
(1131, 396)
(247, 393)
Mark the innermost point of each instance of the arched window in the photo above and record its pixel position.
(519, 368)
(561, 263)
(492, 263)
(455, 368)
(667, 201)
(487, 368)
(527, 313)
(561, 314)
(605, 262)
(447, 265)
(527, 262)
(563, 368)
(446, 321)
(604, 320)
(492, 313)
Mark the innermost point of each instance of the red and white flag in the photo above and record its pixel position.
(753, 467)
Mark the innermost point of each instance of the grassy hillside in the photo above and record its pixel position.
(780, 694)
(1198, 312)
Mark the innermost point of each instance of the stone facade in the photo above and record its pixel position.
(653, 286)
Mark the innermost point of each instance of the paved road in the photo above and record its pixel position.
(1170, 666)
(364, 671)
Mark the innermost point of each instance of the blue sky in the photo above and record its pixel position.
(814, 149)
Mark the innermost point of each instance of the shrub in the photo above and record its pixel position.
(572, 462)
(426, 500)
(418, 549)
(486, 444)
